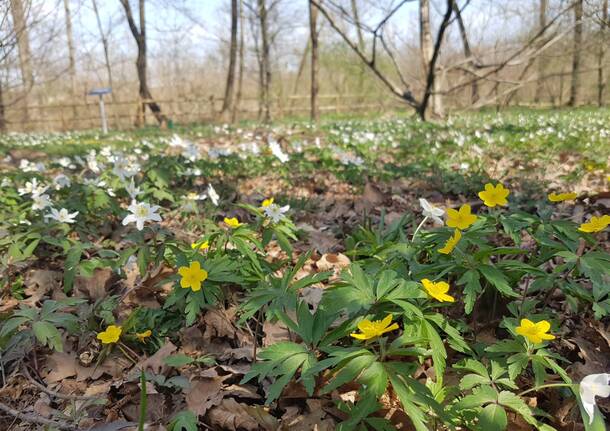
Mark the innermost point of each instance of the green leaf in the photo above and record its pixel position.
(184, 421)
(472, 288)
(493, 417)
(497, 279)
(178, 360)
(70, 266)
(48, 334)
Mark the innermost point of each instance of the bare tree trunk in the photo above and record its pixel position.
(601, 79)
(575, 84)
(313, 34)
(541, 60)
(104, 45)
(71, 57)
(141, 63)
(474, 94)
(227, 103)
(23, 45)
(356, 17)
(2, 113)
(427, 50)
(265, 61)
(240, 79)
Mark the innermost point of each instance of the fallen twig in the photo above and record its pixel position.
(45, 389)
(37, 419)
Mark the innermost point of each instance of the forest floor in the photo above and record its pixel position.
(115, 314)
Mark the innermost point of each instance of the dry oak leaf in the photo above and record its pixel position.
(38, 282)
(155, 363)
(232, 416)
(61, 366)
(204, 393)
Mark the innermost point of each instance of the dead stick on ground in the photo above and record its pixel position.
(36, 419)
(43, 388)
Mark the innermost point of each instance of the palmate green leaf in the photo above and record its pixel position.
(184, 421)
(493, 417)
(349, 371)
(12, 324)
(416, 399)
(480, 396)
(178, 360)
(70, 266)
(497, 279)
(514, 402)
(472, 288)
(282, 361)
(48, 335)
(439, 353)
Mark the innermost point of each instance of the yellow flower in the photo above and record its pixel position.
(192, 276)
(451, 242)
(595, 224)
(110, 335)
(560, 197)
(142, 336)
(200, 245)
(438, 290)
(267, 202)
(233, 223)
(375, 328)
(460, 219)
(535, 332)
(493, 196)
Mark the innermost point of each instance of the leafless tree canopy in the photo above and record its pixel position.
(225, 60)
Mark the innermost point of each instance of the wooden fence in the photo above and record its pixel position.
(123, 115)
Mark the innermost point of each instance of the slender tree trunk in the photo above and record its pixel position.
(227, 103)
(541, 59)
(23, 46)
(240, 79)
(427, 50)
(313, 34)
(356, 16)
(575, 84)
(601, 79)
(104, 46)
(302, 62)
(2, 113)
(474, 92)
(71, 57)
(141, 61)
(265, 61)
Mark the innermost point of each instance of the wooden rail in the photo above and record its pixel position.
(122, 114)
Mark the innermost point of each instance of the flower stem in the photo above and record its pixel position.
(418, 228)
(549, 385)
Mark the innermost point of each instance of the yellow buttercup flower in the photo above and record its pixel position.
(460, 219)
(375, 328)
(595, 224)
(438, 290)
(142, 336)
(560, 197)
(192, 276)
(267, 202)
(110, 335)
(232, 222)
(200, 245)
(535, 332)
(451, 242)
(493, 196)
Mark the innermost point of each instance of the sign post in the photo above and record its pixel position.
(100, 93)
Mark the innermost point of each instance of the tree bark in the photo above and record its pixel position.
(71, 57)
(356, 16)
(474, 92)
(227, 103)
(265, 61)
(141, 62)
(23, 46)
(541, 59)
(240, 79)
(427, 51)
(575, 84)
(2, 113)
(313, 34)
(601, 79)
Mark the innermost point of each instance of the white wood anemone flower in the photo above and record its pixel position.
(431, 211)
(141, 213)
(591, 386)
